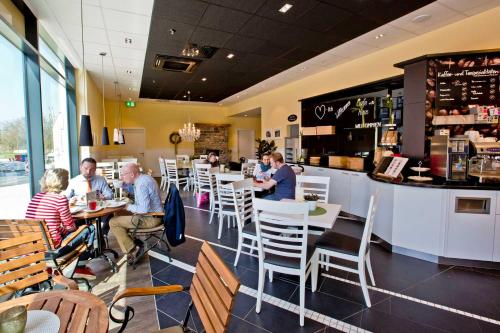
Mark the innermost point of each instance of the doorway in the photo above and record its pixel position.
(135, 144)
(246, 146)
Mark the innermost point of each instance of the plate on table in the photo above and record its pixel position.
(420, 178)
(41, 321)
(76, 209)
(114, 203)
(87, 210)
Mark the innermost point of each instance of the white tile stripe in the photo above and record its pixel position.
(332, 322)
(431, 304)
(221, 246)
(416, 300)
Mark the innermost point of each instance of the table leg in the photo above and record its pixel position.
(101, 250)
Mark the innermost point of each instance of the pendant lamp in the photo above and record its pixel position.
(85, 138)
(105, 136)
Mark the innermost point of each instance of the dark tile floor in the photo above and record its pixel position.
(475, 291)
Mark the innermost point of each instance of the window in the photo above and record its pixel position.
(52, 58)
(55, 123)
(14, 163)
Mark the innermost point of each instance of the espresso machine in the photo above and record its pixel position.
(449, 157)
(486, 164)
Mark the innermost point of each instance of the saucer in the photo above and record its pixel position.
(114, 204)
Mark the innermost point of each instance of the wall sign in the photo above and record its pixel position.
(342, 113)
(292, 118)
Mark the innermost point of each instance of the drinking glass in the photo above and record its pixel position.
(13, 320)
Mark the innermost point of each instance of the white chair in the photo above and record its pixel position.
(182, 158)
(203, 157)
(107, 170)
(208, 184)
(319, 185)
(163, 173)
(243, 196)
(247, 169)
(336, 245)
(281, 229)
(119, 166)
(225, 199)
(127, 159)
(254, 161)
(193, 177)
(108, 160)
(173, 175)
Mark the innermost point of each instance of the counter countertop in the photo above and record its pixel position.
(326, 167)
(439, 182)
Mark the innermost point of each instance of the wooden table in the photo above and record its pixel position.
(78, 311)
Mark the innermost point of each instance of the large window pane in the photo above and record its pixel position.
(14, 166)
(55, 123)
(51, 56)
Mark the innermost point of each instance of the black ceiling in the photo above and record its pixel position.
(264, 41)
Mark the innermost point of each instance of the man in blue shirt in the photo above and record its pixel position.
(87, 181)
(283, 180)
(147, 200)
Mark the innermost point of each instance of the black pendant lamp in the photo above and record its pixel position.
(85, 138)
(105, 136)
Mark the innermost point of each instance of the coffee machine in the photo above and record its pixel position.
(449, 157)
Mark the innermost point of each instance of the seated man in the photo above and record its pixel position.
(88, 181)
(283, 180)
(147, 200)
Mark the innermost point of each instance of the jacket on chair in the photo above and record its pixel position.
(174, 218)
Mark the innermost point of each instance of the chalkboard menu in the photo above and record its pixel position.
(463, 86)
(342, 113)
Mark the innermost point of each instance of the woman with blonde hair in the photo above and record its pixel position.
(52, 206)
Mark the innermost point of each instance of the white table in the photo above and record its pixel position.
(326, 220)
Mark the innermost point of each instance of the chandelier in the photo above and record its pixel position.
(189, 132)
(191, 50)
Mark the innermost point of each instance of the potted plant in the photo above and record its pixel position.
(265, 147)
(311, 200)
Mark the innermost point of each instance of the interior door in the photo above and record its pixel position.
(135, 144)
(246, 146)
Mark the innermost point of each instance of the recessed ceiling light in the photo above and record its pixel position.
(154, 81)
(201, 97)
(238, 96)
(128, 40)
(204, 79)
(245, 115)
(379, 36)
(184, 96)
(230, 56)
(303, 69)
(172, 31)
(421, 18)
(286, 7)
(129, 89)
(129, 71)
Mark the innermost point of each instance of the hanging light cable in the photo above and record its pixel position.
(189, 132)
(105, 136)
(85, 138)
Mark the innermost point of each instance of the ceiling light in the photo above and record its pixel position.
(128, 40)
(129, 71)
(154, 81)
(201, 97)
(286, 7)
(130, 89)
(421, 18)
(184, 96)
(379, 36)
(189, 132)
(238, 96)
(230, 56)
(245, 115)
(303, 69)
(204, 79)
(191, 50)
(172, 31)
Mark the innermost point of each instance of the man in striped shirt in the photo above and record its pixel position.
(147, 200)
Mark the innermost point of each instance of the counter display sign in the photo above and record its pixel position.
(463, 86)
(292, 118)
(344, 113)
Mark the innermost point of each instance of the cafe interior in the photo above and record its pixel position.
(249, 166)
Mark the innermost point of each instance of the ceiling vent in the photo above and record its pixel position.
(175, 64)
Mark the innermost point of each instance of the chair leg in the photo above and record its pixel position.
(369, 267)
(253, 246)
(270, 276)
(212, 209)
(260, 288)
(362, 281)
(314, 270)
(238, 251)
(221, 221)
(302, 288)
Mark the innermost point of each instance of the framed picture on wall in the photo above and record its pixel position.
(277, 133)
(269, 133)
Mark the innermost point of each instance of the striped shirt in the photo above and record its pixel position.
(53, 208)
(147, 196)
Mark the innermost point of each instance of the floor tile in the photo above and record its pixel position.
(175, 275)
(278, 288)
(157, 265)
(349, 292)
(238, 325)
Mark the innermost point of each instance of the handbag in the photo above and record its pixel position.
(202, 198)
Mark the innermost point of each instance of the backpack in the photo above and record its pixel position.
(174, 219)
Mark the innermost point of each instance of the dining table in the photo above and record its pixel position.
(78, 311)
(325, 220)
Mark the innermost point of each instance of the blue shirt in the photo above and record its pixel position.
(78, 186)
(285, 179)
(147, 196)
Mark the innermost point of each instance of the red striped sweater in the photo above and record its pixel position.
(53, 208)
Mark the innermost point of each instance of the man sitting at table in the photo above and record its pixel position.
(147, 200)
(283, 180)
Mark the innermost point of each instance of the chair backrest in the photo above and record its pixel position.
(370, 217)
(213, 172)
(163, 170)
(247, 169)
(203, 157)
(129, 159)
(171, 168)
(319, 185)
(182, 158)
(107, 169)
(22, 254)
(203, 175)
(112, 160)
(230, 177)
(282, 229)
(119, 166)
(254, 161)
(243, 196)
(213, 290)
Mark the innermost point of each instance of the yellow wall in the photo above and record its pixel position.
(474, 33)
(12, 15)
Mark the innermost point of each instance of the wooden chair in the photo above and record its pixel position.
(347, 248)
(22, 257)
(282, 239)
(212, 290)
(64, 265)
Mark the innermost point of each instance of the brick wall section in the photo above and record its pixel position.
(213, 136)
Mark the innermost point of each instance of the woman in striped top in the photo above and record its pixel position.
(53, 207)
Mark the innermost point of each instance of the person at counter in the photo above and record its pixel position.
(283, 180)
(263, 168)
